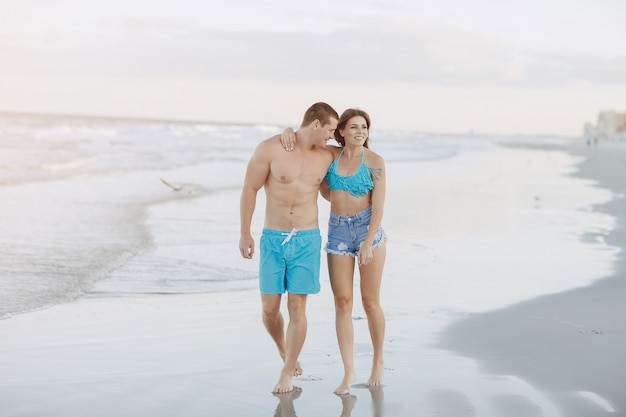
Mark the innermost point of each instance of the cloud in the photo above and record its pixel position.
(450, 65)
(400, 53)
(559, 67)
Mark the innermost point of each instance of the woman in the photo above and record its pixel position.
(355, 187)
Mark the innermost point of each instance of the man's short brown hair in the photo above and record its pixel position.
(319, 111)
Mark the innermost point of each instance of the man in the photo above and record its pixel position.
(290, 245)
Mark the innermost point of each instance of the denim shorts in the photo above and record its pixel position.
(346, 234)
(290, 261)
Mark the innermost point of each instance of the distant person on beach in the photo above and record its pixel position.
(290, 244)
(355, 187)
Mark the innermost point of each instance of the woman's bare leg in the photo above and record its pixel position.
(371, 277)
(341, 271)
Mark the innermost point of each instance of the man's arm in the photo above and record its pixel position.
(324, 187)
(256, 174)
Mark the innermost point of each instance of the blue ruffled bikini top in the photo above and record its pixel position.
(357, 184)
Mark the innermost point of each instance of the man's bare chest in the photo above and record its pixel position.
(307, 173)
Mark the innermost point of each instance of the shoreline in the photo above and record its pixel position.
(570, 343)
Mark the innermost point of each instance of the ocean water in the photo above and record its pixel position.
(98, 207)
(74, 193)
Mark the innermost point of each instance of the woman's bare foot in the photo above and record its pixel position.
(376, 378)
(284, 384)
(344, 388)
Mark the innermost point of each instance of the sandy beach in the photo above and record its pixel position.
(571, 344)
(502, 293)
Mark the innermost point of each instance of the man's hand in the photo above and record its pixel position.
(246, 246)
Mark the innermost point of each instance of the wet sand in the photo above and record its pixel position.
(570, 344)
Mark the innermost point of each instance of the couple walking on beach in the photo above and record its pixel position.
(293, 168)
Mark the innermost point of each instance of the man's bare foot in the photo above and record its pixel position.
(284, 384)
(298, 370)
(347, 404)
(376, 378)
(285, 407)
(289, 396)
(344, 387)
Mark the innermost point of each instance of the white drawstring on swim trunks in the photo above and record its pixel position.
(289, 236)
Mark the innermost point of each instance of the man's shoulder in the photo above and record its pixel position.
(270, 142)
(324, 152)
(268, 146)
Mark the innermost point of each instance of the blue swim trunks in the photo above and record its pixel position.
(290, 261)
(346, 234)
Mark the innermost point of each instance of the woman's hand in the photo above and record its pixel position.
(365, 255)
(288, 139)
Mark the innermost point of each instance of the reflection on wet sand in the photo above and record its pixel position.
(286, 408)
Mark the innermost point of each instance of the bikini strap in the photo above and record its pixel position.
(340, 153)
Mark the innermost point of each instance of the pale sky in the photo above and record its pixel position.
(451, 66)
